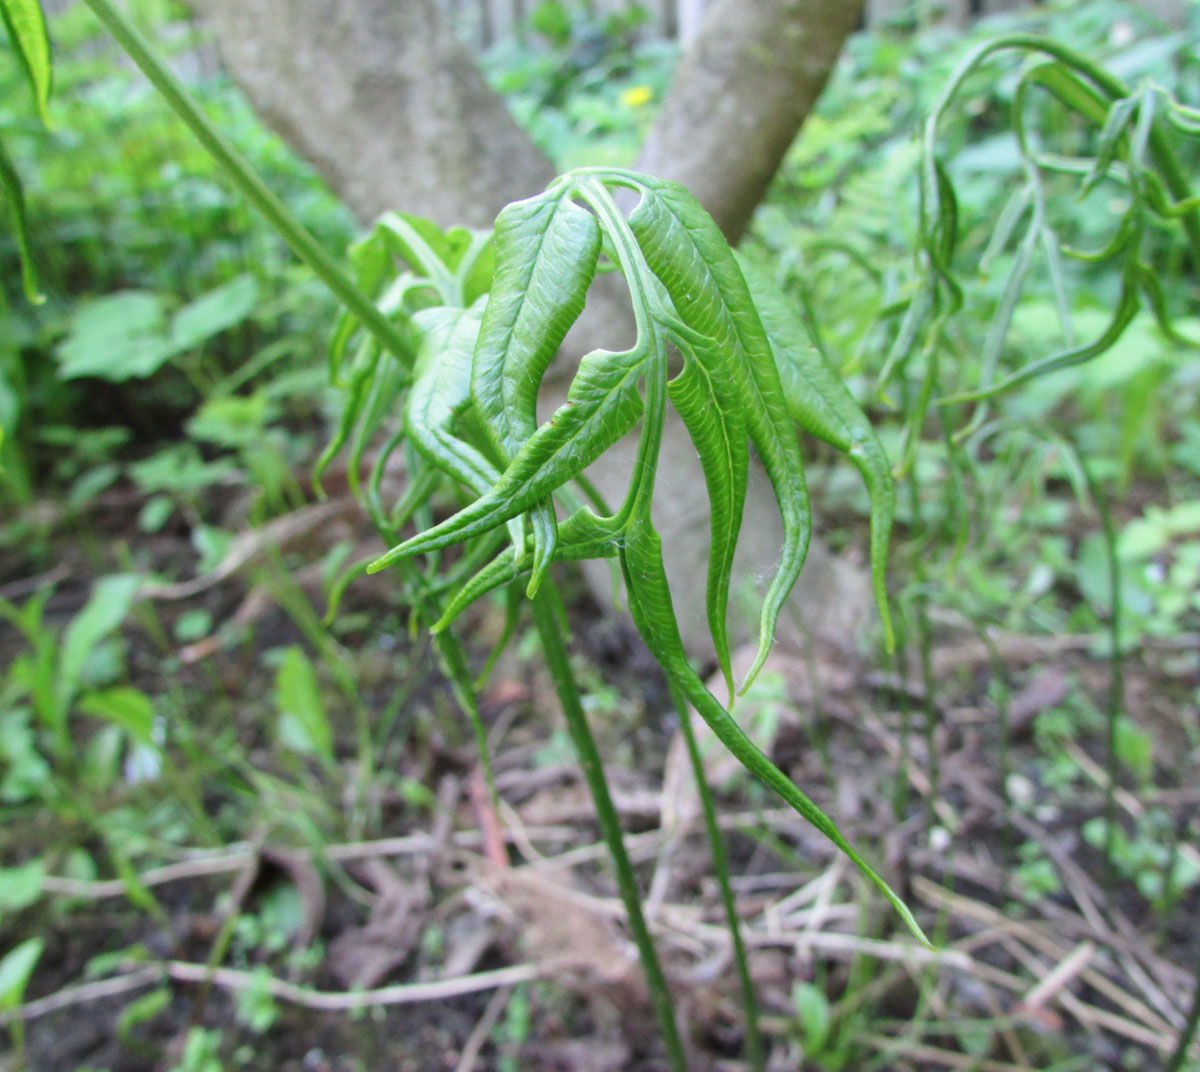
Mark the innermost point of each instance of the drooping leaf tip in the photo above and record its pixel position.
(760, 658)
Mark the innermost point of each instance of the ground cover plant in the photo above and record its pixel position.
(323, 707)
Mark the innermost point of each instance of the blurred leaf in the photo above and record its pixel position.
(26, 25)
(812, 1010)
(15, 195)
(124, 706)
(93, 481)
(26, 774)
(16, 969)
(21, 886)
(180, 470)
(237, 421)
(141, 1009)
(552, 20)
(156, 511)
(212, 544)
(192, 625)
(1135, 749)
(110, 603)
(214, 312)
(303, 724)
(119, 337)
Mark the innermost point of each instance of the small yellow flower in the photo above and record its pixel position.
(636, 96)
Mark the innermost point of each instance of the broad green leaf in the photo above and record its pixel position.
(685, 249)
(546, 253)
(214, 312)
(118, 337)
(304, 725)
(129, 708)
(26, 25)
(16, 969)
(14, 194)
(21, 886)
(819, 402)
(109, 605)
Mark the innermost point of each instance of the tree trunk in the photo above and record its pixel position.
(739, 96)
(383, 99)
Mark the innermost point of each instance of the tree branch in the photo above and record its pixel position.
(740, 95)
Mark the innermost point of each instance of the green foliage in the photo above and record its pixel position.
(441, 349)
(16, 967)
(213, 306)
(59, 672)
(583, 83)
(1146, 857)
(26, 26)
(303, 724)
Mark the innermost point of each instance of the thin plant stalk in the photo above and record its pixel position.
(898, 661)
(920, 604)
(1116, 680)
(720, 862)
(547, 615)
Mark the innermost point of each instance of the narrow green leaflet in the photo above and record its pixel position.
(14, 194)
(546, 253)
(583, 536)
(704, 399)
(442, 390)
(111, 600)
(685, 249)
(123, 706)
(16, 968)
(819, 402)
(650, 605)
(602, 405)
(1126, 309)
(26, 26)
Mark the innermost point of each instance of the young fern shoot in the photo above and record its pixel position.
(749, 377)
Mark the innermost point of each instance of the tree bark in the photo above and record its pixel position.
(384, 100)
(740, 94)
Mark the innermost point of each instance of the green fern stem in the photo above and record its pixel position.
(720, 862)
(547, 614)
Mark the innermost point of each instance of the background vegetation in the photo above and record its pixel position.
(200, 775)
